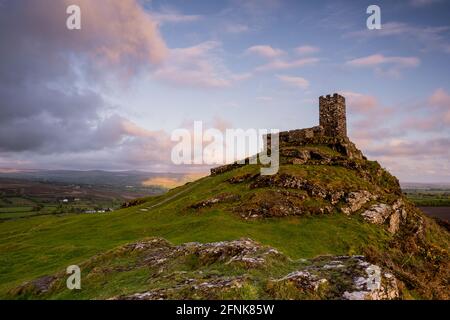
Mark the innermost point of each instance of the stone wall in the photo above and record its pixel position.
(300, 135)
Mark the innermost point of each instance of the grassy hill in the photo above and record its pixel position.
(316, 205)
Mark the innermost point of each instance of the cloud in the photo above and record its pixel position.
(379, 59)
(265, 51)
(422, 149)
(197, 66)
(433, 116)
(358, 102)
(304, 50)
(54, 82)
(428, 38)
(423, 3)
(440, 99)
(236, 28)
(297, 82)
(387, 134)
(383, 65)
(36, 43)
(283, 64)
(170, 15)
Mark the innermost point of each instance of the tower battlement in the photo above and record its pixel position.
(332, 115)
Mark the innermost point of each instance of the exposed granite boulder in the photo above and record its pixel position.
(244, 251)
(377, 213)
(392, 215)
(356, 200)
(343, 277)
(158, 251)
(374, 285)
(196, 288)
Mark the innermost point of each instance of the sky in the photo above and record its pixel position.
(109, 95)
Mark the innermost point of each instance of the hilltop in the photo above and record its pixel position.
(329, 225)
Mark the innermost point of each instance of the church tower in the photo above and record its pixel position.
(332, 115)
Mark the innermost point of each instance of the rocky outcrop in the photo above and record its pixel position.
(356, 200)
(343, 277)
(197, 288)
(373, 285)
(381, 213)
(304, 280)
(279, 203)
(287, 181)
(244, 251)
(219, 270)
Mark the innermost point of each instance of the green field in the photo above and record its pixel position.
(43, 245)
(47, 244)
(429, 197)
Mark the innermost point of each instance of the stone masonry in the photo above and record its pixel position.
(332, 115)
(332, 123)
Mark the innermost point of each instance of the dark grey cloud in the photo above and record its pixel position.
(52, 79)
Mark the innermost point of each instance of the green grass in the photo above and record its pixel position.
(42, 245)
(15, 209)
(429, 198)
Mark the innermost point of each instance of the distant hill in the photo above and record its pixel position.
(97, 177)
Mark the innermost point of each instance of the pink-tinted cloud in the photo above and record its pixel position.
(113, 31)
(388, 66)
(265, 51)
(379, 59)
(358, 102)
(170, 15)
(296, 82)
(198, 66)
(437, 114)
(306, 49)
(440, 99)
(426, 37)
(284, 65)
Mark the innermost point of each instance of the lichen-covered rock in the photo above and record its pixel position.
(195, 287)
(304, 280)
(244, 251)
(356, 200)
(377, 213)
(382, 213)
(374, 285)
(343, 277)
